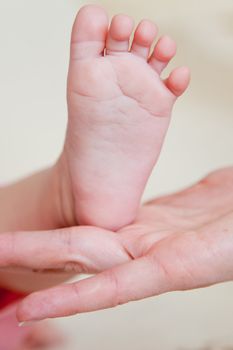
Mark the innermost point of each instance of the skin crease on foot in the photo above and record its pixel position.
(119, 110)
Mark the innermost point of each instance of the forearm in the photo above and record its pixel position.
(36, 203)
(30, 204)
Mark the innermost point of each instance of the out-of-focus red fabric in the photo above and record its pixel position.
(7, 297)
(11, 335)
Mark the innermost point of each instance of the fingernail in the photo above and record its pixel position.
(27, 323)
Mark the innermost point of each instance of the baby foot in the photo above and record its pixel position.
(119, 111)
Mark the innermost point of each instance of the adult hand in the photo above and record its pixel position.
(178, 242)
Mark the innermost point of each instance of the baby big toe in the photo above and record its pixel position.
(89, 32)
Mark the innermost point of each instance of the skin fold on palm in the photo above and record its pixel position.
(178, 242)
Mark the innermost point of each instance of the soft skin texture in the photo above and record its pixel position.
(103, 145)
(178, 242)
(35, 203)
(32, 203)
(119, 110)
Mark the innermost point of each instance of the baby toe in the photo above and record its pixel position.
(89, 32)
(119, 34)
(178, 80)
(164, 51)
(143, 38)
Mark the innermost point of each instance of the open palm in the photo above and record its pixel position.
(178, 242)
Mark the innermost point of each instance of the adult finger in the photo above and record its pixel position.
(78, 249)
(185, 261)
(108, 289)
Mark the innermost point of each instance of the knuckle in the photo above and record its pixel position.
(67, 238)
(162, 273)
(114, 285)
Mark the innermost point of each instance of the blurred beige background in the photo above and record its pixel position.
(34, 38)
